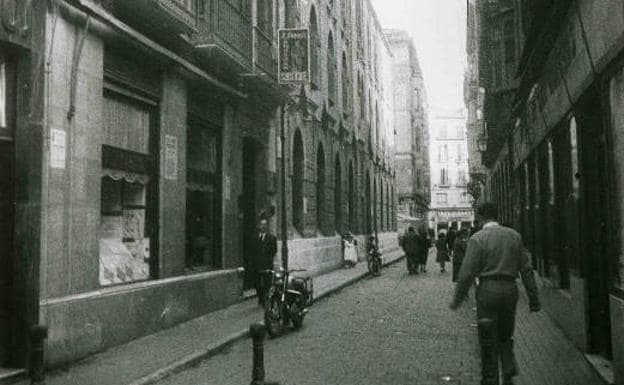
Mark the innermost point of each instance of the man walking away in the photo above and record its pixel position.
(459, 251)
(496, 255)
(424, 243)
(410, 246)
(266, 248)
(442, 252)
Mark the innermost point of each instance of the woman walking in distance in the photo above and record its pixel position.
(442, 252)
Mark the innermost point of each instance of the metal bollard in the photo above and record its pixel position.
(38, 334)
(258, 332)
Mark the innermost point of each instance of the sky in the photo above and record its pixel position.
(438, 28)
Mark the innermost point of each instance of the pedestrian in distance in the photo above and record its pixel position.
(410, 243)
(496, 255)
(266, 247)
(442, 254)
(424, 244)
(459, 251)
(451, 236)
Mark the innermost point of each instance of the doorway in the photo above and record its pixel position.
(592, 176)
(8, 330)
(248, 207)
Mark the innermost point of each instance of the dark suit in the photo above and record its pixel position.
(265, 253)
(410, 246)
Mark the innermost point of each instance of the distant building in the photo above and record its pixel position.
(412, 131)
(450, 201)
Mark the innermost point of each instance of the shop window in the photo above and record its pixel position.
(203, 204)
(127, 174)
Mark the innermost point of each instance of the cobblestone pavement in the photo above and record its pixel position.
(395, 329)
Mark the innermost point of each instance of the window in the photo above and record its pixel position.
(337, 195)
(463, 198)
(509, 45)
(331, 69)
(203, 209)
(443, 153)
(444, 177)
(460, 155)
(290, 13)
(320, 189)
(3, 95)
(297, 182)
(361, 97)
(442, 198)
(346, 85)
(461, 178)
(315, 49)
(124, 233)
(265, 16)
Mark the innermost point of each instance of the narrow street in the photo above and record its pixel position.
(395, 329)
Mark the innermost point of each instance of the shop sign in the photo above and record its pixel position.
(171, 157)
(294, 56)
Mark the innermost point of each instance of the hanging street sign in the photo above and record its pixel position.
(294, 56)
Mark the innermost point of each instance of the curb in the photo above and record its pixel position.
(217, 347)
(191, 359)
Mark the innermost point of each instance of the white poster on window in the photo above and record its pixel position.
(171, 157)
(57, 148)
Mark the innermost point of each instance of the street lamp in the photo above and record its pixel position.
(482, 143)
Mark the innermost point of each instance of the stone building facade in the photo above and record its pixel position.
(554, 156)
(340, 144)
(142, 146)
(450, 202)
(412, 127)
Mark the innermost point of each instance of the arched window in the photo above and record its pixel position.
(297, 182)
(331, 69)
(337, 195)
(367, 205)
(361, 97)
(382, 211)
(320, 189)
(345, 84)
(315, 49)
(388, 207)
(352, 199)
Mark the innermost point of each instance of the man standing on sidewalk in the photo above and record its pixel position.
(410, 246)
(265, 254)
(496, 255)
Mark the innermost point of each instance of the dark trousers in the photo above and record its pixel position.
(412, 263)
(262, 286)
(496, 315)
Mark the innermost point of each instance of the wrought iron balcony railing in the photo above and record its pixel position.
(177, 16)
(264, 53)
(225, 31)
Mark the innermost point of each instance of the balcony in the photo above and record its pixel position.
(225, 35)
(177, 16)
(264, 54)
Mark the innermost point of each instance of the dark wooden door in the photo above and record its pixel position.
(248, 205)
(593, 180)
(6, 248)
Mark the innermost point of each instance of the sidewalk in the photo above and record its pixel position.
(147, 359)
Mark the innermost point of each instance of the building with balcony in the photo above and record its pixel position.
(450, 202)
(411, 125)
(553, 156)
(142, 146)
